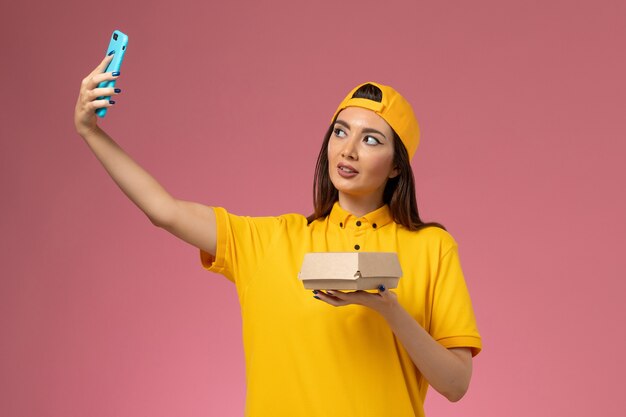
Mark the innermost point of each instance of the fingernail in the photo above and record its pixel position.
(118, 90)
(111, 102)
(315, 296)
(115, 73)
(381, 287)
(111, 53)
(314, 291)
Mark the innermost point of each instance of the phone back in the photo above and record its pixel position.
(119, 44)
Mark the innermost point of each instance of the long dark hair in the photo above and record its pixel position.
(399, 191)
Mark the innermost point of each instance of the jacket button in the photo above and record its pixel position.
(374, 225)
(340, 224)
(358, 223)
(357, 247)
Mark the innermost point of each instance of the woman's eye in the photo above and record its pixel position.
(340, 133)
(371, 140)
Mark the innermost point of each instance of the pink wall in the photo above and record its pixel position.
(522, 110)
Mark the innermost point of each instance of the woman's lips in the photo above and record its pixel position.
(346, 171)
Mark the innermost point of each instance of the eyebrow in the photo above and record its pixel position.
(365, 129)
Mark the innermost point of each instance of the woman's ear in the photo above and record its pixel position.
(394, 172)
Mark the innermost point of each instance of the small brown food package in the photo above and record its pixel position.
(350, 270)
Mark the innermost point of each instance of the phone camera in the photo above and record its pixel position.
(115, 36)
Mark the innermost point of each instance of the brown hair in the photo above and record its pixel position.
(399, 191)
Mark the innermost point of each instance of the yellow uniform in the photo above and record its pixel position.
(307, 358)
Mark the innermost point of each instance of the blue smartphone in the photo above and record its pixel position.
(119, 44)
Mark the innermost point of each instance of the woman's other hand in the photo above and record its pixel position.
(384, 301)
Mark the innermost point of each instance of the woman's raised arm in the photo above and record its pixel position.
(192, 222)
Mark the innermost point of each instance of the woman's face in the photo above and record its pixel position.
(360, 154)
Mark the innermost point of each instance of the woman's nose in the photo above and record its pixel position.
(349, 149)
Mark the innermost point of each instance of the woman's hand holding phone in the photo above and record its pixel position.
(98, 88)
(92, 97)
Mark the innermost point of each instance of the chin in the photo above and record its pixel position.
(355, 192)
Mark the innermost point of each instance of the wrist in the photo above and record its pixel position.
(392, 312)
(86, 131)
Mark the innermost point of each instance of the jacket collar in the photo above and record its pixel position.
(375, 219)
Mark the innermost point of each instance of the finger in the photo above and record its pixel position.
(352, 297)
(98, 104)
(336, 294)
(93, 81)
(103, 92)
(105, 76)
(387, 296)
(331, 294)
(382, 291)
(330, 299)
(103, 64)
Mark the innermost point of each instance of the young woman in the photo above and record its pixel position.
(377, 353)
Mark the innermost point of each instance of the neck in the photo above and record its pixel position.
(360, 205)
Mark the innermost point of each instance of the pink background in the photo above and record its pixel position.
(522, 107)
